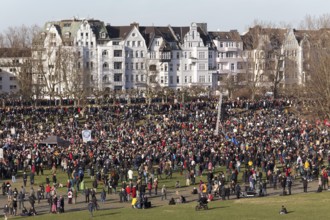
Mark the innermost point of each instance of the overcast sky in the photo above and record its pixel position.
(221, 15)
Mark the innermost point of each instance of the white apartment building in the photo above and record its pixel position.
(229, 54)
(123, 57)
(12, 63)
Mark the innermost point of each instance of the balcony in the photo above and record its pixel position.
(117, 70)
(118, 83)
(192, 60)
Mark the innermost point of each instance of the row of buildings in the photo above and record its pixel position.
(76, 56)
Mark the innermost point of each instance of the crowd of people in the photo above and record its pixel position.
(133, 147)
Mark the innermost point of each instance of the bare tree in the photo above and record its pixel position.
(315, 22)
(19, 37)
(318, 84)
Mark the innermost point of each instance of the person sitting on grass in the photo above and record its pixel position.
(283, 210)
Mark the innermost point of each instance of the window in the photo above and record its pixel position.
(137, 78)
(201, 66)
(201, 55)
(105, 53)
(82, 34)
(0, 87)
(232, 67)
(152, 68)
(105, 65)
(131, 64)
(92, 65)
(190, 79)
(171, 67)
(171, 79)
(78, 65)
(133, 43)
(201, 79)
(165, 67)
(117, 65)
(117, 78)
(12, 86)
(136, 53)
(177, 66)
(136, 66)
(210, 55)
(185, 67)
(131, 54)
(128, 43)
(126, 66)
(141, 54)
(87, 65)
(12, 78)
(86, 35)
(221, 44)
(186, 79)
(165, 79)
(142, 78)
(142, 66)
(127, 78)
(178, 79)
(139, 43)
(0, 78)
(117, 53)
(115, 42)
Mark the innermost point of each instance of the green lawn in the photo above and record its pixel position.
(300, 206)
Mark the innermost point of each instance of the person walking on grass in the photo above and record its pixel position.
(163, 191)
(90, 208)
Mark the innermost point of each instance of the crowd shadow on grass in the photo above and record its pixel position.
(218, 207)
(105, 214)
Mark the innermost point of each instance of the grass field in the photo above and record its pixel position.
(300, 206)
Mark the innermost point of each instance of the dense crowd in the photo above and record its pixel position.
(133, 146)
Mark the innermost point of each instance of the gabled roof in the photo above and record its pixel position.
(72, 26)
(147, 32)
(225, 35)
(251, 39)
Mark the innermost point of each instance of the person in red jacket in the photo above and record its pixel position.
(128, 192)
(134, 192)
(47, 190)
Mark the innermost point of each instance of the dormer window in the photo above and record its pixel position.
(67, 35)
(103, 35)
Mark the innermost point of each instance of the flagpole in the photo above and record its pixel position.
(216, 132)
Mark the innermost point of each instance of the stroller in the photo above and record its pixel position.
(202, 204)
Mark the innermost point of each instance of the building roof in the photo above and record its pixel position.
(251, 39)
(15, 52)
(226, 35)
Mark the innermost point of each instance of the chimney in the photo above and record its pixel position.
(135, 24)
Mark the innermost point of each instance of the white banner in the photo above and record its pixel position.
(1, 153)
(86, 135)
(12, 131)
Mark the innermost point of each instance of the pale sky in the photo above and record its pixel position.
(222, 15)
